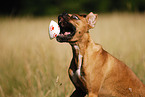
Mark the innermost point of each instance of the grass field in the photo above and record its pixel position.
(32, 65)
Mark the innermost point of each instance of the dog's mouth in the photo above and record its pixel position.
(67, 30)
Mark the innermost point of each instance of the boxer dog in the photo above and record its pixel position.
(94, 71)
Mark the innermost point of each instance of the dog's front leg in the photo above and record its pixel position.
(75, 74)
(78, 93)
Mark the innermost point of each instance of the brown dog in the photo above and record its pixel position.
(94, 71)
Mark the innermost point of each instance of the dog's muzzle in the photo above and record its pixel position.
(67, 30)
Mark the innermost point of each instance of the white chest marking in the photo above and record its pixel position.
(78, 71)
(79, 57)
(130, 89)
(76, 47)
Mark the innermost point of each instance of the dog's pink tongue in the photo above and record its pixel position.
(66, 33)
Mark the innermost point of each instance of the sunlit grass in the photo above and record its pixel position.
(32, 65)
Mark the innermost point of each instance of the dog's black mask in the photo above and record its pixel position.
(67, 30)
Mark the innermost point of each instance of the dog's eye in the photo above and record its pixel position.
(75, 17)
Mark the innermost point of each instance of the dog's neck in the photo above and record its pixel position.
(81, 45)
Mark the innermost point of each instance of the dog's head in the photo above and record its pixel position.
(73, 26)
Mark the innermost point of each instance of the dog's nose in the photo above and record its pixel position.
(65, 14)
(63, 17)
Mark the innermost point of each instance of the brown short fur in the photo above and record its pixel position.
(94, 71)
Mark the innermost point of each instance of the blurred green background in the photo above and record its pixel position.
(53, 7)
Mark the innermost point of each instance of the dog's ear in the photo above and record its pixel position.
(91, 19)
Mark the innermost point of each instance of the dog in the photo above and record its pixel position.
(93, 71)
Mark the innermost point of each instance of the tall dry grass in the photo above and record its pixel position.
(32, 65)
